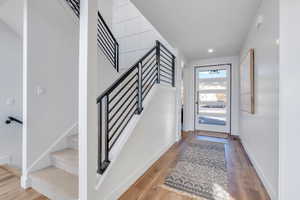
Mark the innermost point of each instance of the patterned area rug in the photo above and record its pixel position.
(200, 170)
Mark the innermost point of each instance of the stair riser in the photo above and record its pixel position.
(73, 142)
(68, 167)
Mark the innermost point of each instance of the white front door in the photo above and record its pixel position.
(212, 98)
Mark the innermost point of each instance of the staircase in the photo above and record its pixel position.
(125, 98)
(60, 180)
(116, 107)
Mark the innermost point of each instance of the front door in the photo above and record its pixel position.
(212, 98)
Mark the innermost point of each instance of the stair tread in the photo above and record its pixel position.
(55, 183)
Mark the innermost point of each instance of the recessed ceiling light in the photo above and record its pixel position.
(210, 50)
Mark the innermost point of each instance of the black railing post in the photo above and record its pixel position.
(140, 89)
(103, 137)
(99, 136)
(117, 57)
(106, 129)
(158, 60)
(173, 70)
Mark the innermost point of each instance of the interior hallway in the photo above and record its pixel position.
(244, 183)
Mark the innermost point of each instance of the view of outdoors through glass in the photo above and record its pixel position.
(212, 86)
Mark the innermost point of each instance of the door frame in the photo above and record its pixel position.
(230, 92)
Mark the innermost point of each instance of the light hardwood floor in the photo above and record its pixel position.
(244, 183)
(10, 187)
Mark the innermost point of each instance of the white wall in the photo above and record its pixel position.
(188, 80)
(133, 31)
(180, 62)
(51, 54)
(11, 12)
(289, 99)
(10, 91)
(88, 92)
(96, 74)
(105, 8)
(259, 132)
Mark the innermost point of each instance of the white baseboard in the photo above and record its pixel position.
(260, 173)
(4, 160)
(116, 193)
(25, 182)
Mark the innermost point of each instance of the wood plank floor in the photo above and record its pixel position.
(10, 188)
(244, 183)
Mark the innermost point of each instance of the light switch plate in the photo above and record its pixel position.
(40, 90)
(10, 101)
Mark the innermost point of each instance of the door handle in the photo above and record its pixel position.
(198, 111)
(197, 102)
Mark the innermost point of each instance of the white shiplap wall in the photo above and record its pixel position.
(133, 31)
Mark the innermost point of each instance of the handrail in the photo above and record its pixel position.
(106, 41)
(12, 119)
(124, 98)
(123, 76)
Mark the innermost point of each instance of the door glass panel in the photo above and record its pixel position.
(210, 74)
(212, 97)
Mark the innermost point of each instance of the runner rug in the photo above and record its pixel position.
(200, 170)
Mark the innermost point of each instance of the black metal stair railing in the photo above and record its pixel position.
(105, 38)
(124, 98)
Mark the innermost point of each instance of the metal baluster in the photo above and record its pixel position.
(106, 129)
(99, 137)
(117, 57)
(173, 70)
(140, 88)
(158, 60)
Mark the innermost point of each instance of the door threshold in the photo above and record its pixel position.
(211, 134)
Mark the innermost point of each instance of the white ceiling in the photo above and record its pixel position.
(194, 26)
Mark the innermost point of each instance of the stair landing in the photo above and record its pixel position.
(55, 183)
